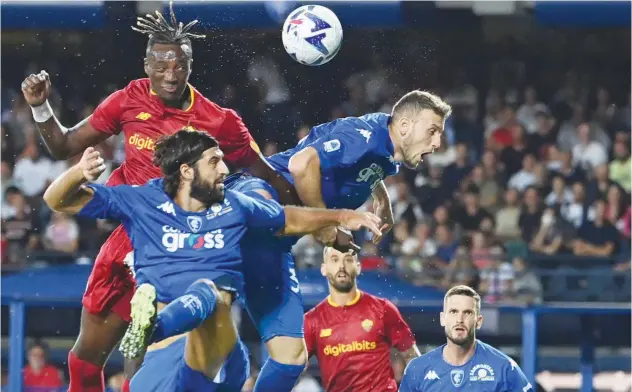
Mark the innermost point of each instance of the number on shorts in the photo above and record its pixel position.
(294, 279)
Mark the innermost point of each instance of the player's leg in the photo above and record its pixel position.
(275, 305)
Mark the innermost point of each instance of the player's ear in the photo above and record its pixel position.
(186, 172)
(404, 125)
(323, 271)
(479, 321)
(441, 319)
(146, 66)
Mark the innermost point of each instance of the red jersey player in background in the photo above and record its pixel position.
(351, 332)
(144, 111)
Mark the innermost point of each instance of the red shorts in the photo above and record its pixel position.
(111, 286)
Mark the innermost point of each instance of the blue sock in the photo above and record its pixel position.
(277, 377)
(186, 312)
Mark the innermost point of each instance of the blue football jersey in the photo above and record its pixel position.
(488, 370)
(172, 247)
(356, 153)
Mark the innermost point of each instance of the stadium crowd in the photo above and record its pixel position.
(528, 170)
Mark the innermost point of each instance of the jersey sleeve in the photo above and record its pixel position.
(107, 116)
(515, 378)
(410, 380)
(343, 146)
(240, 149)
(108, 202)
(261, 213)
(396, 329)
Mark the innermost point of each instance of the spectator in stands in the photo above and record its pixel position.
(496, 278)
(597, 238)
(527, 176)
(6, 175)
(508, 216)
(560, 194)
(470, 214)
(454, 173)
(38, 373)
(370, 259)
(492, 168)
(531, 214)
(446, 243)
(33, 171)
(605, 110)
(527, 288)
(461, 270)
(571, 173)
(488, 188)
(575, 211)
(480, 250)
(544, 137)
(616, 206)
(20, 227)
(597, 188)
(620, 169)
(513, 156)
(527, 113)
(431, 191)
(553, 234)
(405, 206)
(588, 153)
(61, 237)
(307, 252)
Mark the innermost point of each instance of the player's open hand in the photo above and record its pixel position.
(355, 220)
(36, 88)
(91, 164)
(385, 212)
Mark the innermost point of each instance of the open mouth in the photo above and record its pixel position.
(460, 329)
(342, 275)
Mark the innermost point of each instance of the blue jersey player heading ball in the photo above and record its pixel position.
(464, 363)
(187, 235)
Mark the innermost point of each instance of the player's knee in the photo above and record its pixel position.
(206, 291)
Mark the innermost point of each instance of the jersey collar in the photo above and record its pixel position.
(191, 91)
(352, 302)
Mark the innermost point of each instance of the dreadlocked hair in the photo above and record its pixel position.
(161, 31)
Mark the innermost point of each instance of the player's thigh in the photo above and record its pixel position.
(98, 336)
(208, 345)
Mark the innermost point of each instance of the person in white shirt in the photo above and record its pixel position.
(525, 177)
(588, 153)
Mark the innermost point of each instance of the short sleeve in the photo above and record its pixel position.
(240, 149)
(515, 378)
(108, 202)
(343, 146)
(261, 213)
(107, 116)
(396, 329)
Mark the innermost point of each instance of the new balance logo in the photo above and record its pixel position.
(143, 116)
(168, 208)
(431, 375)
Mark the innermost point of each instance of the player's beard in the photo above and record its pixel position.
(205, 192)
(465, 341)
(341, 287)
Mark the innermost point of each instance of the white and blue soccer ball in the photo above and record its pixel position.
(312, 35)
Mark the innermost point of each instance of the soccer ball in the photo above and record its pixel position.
(312, 35)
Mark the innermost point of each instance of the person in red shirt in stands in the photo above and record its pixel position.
(38, 373)
(352, 332)
(143, 111)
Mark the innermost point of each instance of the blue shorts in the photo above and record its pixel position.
(271, 290)
(165, 370)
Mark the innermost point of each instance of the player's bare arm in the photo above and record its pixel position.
(410, 354)
(301, 220)
(67, 193)
(63, 143)
(382, 208)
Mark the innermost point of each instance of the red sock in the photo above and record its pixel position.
(125, 386)
(84, 376)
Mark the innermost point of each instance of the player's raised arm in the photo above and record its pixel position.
(62, 142)
(67, 193)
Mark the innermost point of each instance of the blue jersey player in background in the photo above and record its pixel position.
(464, 363)
(187, 234)
(338, 165)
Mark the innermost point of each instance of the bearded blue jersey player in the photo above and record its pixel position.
(464, 363)
(338, 165)
(187, 234)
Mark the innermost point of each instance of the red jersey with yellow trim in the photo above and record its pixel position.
(353, 343)
(143, 118)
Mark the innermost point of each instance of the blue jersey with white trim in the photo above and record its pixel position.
(356, 153)
(172, 247)
(487, 370)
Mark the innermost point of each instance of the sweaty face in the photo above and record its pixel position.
(168, 68)
(209, 174)
(460, 319)
(341, 269)
(421, 135)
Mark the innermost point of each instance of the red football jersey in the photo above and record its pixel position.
(353, 343)
(143, 118)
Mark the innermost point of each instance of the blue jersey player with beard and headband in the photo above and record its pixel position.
(340, 164)
(188, 237)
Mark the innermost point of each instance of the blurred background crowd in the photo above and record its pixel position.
(531, 184)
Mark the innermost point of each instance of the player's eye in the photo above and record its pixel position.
(159, 69)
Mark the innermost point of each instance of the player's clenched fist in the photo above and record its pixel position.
(91, 164)
(36, 88)
(355, 220)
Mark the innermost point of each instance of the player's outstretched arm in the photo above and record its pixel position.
(63, 143)
(66, 194)
(305, 170)
(302, 220)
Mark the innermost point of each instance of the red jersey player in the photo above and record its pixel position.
(351, 332)
(143, 111)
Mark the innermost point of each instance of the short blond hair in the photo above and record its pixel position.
(417, 100)
(466, 291)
